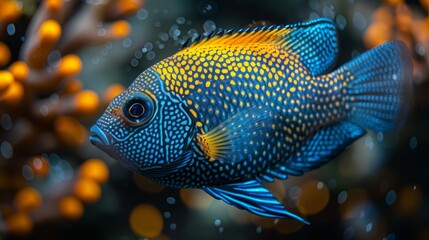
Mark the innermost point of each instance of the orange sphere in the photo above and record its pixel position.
(4, 54)
(70, 131)
(120, 29)
(86, 102)
(94, 169)
(19, 224)
(87, 190)
(146, 221)
(28, 199)
(70, 65)
(6, 79)
(314, 197)
(70, 207)
(19, 70)
(111, 92)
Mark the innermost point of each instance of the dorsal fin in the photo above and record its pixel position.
(314, 42)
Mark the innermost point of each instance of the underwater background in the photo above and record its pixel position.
(61, 62)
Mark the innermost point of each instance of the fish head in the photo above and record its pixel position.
(145, 127)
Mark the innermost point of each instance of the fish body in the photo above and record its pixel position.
(240, 107)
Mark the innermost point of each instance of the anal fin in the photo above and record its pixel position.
(253, 197)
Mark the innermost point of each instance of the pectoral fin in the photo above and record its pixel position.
(238, 137)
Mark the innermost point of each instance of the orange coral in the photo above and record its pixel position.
(45, 103)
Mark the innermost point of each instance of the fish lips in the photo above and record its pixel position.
(100, 138)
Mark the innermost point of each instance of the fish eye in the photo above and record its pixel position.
(139, 109)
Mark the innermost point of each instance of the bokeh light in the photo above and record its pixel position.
(146, 221)
(195, 198)
(87, 190)
(314, 197)
(70, 207)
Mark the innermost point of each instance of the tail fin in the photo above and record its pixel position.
(379, 88)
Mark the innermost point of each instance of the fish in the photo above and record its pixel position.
(237, 108)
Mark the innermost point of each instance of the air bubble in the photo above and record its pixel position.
(341, 22)
(10, 29)
(6, 122)
(6, 150)
(27, 173)
(368, 227)
(390, 197)
(359, 21)
(342, 197)
(127, 42)
(150, 55)
(413, 143)
(217, 222)
(171, 200)
(180, 20)
(142, 14)
(209, 26)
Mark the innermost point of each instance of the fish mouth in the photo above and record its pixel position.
(98, 137)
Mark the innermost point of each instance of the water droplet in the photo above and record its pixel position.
(207, 7)
(163, 36)
(314, 4)
(341, 22)
(420, 49)
(27, 173)
(147, 47)
(258, 229)
(171, 200)
(342, 197)
(320, 185)
(359, 21)
(390, 197)
(368, 227)
(150, 55)
(54, 58)
(167, 214)
(134, 62)
(6, 150)
(328, 12)
(138, 54)
(10, 29)
(54, 98)
(369, 142)
(44, 110)
(413, 143)
(192, 33)
(380, 136)
(217, 222)
(127, 42)
(209, 26)
(6, 122)
(180, 20)
(142, 14)
(349, 232)
(313, 15)
(332, 184)
(173, 227)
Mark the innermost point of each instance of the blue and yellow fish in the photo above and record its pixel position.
(236, 108)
